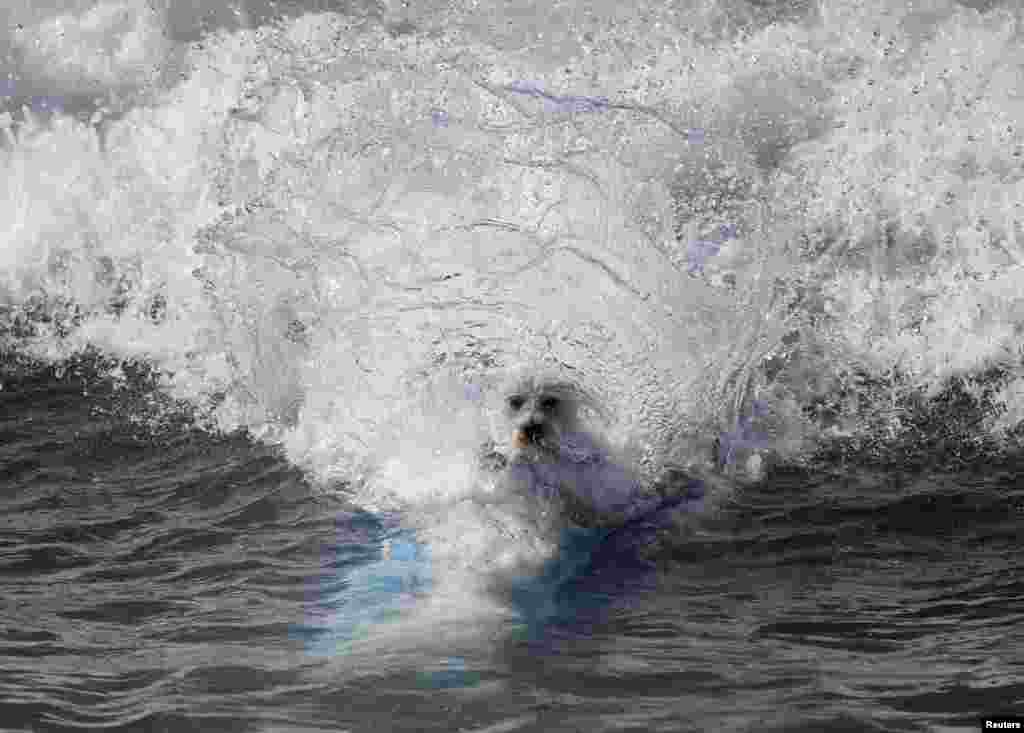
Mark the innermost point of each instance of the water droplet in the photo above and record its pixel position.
(440, 117)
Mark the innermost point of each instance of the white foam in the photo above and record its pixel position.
(322, 245)
(108, 44)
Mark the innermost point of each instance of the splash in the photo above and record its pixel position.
(40, 104)
(333, 235)
(106, 45)
(700, 250)
(562, 103)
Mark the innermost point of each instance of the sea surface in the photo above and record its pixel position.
(263, 269)
(178, 581)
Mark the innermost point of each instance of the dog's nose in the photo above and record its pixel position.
(533, 431)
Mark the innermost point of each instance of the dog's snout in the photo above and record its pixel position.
(533, 431)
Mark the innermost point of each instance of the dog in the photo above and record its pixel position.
(546, 450)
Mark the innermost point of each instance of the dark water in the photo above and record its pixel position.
(159, 579)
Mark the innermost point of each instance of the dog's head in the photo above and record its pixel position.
(539, 416)
(538, 413)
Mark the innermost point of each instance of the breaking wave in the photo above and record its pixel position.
(757, 243)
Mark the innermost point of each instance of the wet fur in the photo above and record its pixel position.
(545, 449)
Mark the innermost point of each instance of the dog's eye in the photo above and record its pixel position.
(516, 402)
(548, 404)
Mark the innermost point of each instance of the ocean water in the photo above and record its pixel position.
(263, 268)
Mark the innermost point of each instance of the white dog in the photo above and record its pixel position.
(541, 442)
